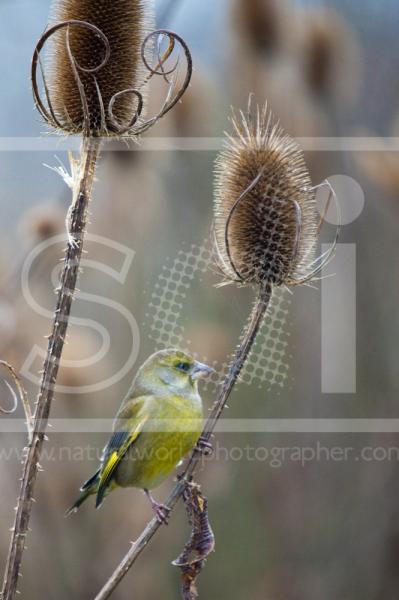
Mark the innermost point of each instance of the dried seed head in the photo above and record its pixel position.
(331, 56)
(319, 57)
(106, 65)
(258, 22)
(265, 208)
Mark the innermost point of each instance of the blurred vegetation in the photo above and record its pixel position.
(326, 530)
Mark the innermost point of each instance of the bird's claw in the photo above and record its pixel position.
(162, 513)
(161, 510)
(204, 446)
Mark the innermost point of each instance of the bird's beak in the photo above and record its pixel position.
(199, 371)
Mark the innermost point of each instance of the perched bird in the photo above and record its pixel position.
(159, 422)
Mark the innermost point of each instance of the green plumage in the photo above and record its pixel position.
(158, 423)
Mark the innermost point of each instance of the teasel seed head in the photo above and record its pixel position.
(319, 58)
(258, 22)
(101, 56)
(331, 56)
(265, 207)
(124, 25)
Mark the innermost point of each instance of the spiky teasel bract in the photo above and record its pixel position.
(124, 24)
(265, 208)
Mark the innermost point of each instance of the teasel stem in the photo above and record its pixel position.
(240, 358)
(237, 364)
(78, 216)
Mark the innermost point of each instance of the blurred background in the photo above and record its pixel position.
(284, 531)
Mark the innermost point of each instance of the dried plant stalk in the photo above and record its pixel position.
(261, 177)
(82, 193)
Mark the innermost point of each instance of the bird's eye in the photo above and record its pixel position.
(183, 366)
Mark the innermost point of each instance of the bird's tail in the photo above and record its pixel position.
(88, 489)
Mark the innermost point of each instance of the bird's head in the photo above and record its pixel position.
(172, 368)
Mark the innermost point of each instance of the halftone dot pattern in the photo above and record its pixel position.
(167, 300)
(268, 361)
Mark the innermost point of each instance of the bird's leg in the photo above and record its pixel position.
(161, 510)
(204, 446)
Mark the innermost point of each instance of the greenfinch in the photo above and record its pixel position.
(159, 422)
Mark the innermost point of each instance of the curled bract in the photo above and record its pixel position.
(100, 62)
(266, 221)
(22, 394)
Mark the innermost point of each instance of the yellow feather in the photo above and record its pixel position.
(108, 468)
(113, 461)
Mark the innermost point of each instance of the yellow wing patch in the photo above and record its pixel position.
(114, 459)
(109, 467)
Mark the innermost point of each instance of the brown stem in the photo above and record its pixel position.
(237, 364)
(78, 217)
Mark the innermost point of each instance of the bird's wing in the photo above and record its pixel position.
(120, 442)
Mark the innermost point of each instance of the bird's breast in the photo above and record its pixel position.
(172, 430)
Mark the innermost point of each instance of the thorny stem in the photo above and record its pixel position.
(236, 367)
(78, 217)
